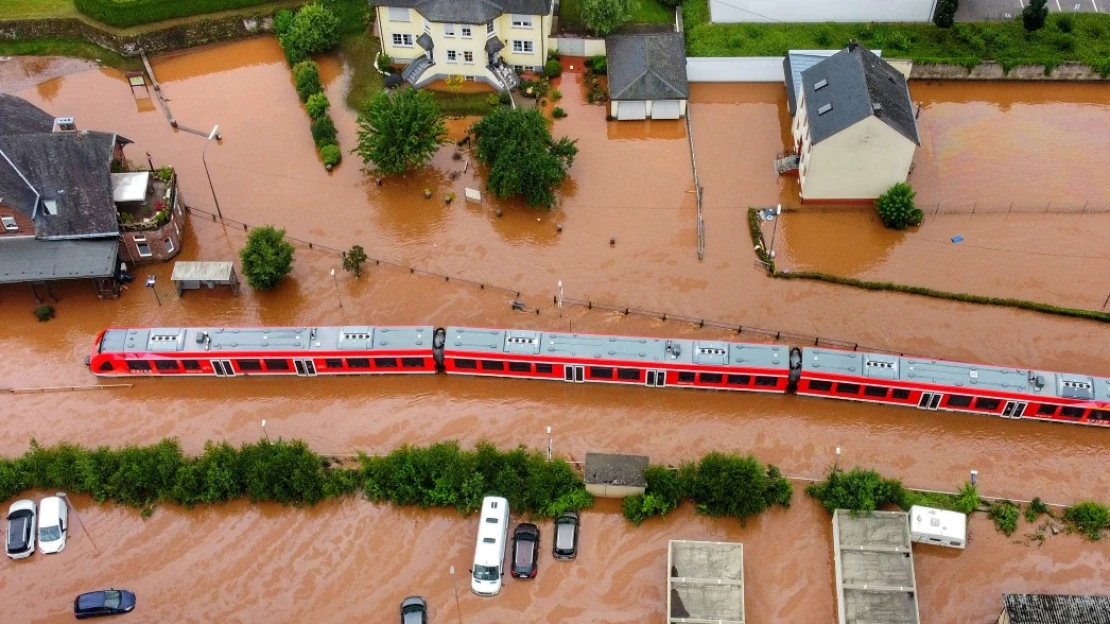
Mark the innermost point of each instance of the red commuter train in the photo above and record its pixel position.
(580, 358)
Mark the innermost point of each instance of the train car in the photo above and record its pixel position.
(294, 351)
(955, 386)
(653, 362)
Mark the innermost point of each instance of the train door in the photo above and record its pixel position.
(929, 400)
(574, 374)
(1014, 409)
(656, 379)
(305, 368)
(223, 368)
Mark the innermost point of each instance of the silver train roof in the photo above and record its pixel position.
(214, 340)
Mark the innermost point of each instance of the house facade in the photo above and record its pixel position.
(854, 132)
(488, 41)
(647, 76)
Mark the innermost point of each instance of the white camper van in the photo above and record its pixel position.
(938, 526)
(489, 553)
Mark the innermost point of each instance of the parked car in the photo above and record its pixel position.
(104, 602)
(526, 551)
(21, 529)
(53, 522)
(414, 610)
(566, 536)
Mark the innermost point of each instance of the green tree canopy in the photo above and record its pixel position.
(523, 157)
(313, 29)
(896, 207)
(1034, 14)
(354, 259)
(400, 131)
(267, 257)
(604, 16)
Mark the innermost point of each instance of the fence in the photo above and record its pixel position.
(1054, 207)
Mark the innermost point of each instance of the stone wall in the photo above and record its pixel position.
(993, 71)
(152, 42)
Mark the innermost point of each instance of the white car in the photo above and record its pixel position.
(21, 529)
(53, 522)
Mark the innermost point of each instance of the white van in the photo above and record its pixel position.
(489, 553)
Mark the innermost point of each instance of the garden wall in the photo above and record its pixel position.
(994, 71)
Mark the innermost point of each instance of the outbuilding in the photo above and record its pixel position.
(647, 76)
(615, 476)
(938, 526)
(192, 275)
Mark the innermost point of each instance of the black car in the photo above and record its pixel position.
(105, 602)
(566, 536)
(414, 610)
(526, 551)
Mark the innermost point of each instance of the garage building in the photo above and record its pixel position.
(647, 76)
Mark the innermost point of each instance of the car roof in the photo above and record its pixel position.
(526, 529)
(91, 600)
(50, 510)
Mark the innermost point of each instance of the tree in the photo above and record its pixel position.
(313, 29)
(946, 13)
(267, 258)
(353, 260)
(400, 131)
(896, 207)
(306, 78)
(604, 16)
(523, 158)
(1034, 14)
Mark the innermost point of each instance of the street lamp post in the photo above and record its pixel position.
(62, 495)
(336, 282)
(215, 134)
(151, 280)
(775, 231)
(548, 443)
(455, 586)
(264, 432)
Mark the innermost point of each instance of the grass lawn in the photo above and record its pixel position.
(1082, 37)
(26, 9)
(69, 47)
(643, 12)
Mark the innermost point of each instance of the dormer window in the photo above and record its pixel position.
(9, 224)
(821, 84)
(51, 206)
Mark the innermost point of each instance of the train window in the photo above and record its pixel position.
(105, 366)
(190, 364)
(686, 378)
(1072, 412)
(166, 365)
(628, 374)
(846, 388)
(520, 367)
(958, 400)
(138, 365)
(544, 368)
(601, 372)
(987, 404)
(412, 362)
(249, 365)
(739, 380)
(358, 362)
(766, 381)
(1046, 410)
(333, 362)
(821, 386)
(900, 394)
(466, 363)
(874, 391)
(493, 365)
(385, 362)
(710, 377)
(1100, 415)
(277, 365)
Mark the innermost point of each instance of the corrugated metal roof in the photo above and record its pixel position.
(1056, 609)
(29, 259)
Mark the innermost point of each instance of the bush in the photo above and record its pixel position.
(44, 312)
(602, 17)
(597, 64)
(306, 78)
(1036, 509)
(267, 257)
(330, 155)
(493, 99)
(317, 105)
(737, 486)
(323, 132)
(857, 490)
(384, 63)
(946, 13)
(896, 207)
(553, 69)
(314, 29)
(282, 20)
(1005, 515)
(504, 98)
(1089, 518)
(556, 95)
(1065, 23)
(671, 4)
(1034, 14)
(558, 113)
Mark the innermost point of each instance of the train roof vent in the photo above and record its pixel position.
(356, 336)
(875, 364)
(711, 351)
(522, 340)
(1076, 389)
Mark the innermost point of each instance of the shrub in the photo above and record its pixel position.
(323, 132)
(44, 312)
(1036, 509)
(282, 20)
(558, 113)
(1034, 14)
(556, 95)
(313, 29)
(306, 78)
(1005, 515)
(737, 486)
(604, 16)
(384, 63)
(331, 155)
(505, 98)
(896, 207)
(857, 490)
(1089, 518)
(1065, 23)
(946, 13)
(493, 99)
(671, 4)
(597, 64)
(553, 69)
(267, 257)
(317, 105)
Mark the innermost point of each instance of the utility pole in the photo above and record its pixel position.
(151, 280)
(458, 608)
(215, 134)
(264, 432)
(336, 282)
(62, 495)
(549, 443)
(775, 231)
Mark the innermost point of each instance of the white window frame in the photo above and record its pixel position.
(169, 245)
(522, 21)
(468, 57)
(452, 56)
(467, 32)
(523, 47)
(489, 27)
(140, 242)
(9, 224)
(399, 40)
(469, 79)
(394, 12)
(448, 30)
(427, 27)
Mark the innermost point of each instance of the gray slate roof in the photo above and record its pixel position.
(1057, 609)
(29, 259)
(647, 67)
(469, 11)
(18, 116)
(614, 469)
(860, 85)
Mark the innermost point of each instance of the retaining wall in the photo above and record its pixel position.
(994, 71)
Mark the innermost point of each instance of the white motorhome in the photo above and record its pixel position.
(489, 552)
(938, 526)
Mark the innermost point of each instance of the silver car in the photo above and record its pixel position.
(21, 529)
(53, 522)
(414, 610)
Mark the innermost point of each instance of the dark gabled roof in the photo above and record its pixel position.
(859, 85)
(605, 468)
(647, 67)
(71, 169)
(469, 11)
(33, 260)
(18, 116)
(1056, 609)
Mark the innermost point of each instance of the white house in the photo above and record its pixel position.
(728, 11)
(854, 131)
(647, 76)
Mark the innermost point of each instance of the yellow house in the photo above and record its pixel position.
(855, 131)
(487, 41)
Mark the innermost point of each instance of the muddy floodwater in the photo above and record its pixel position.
(353, 561)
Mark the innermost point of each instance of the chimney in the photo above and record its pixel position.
(852, 45)
(64, 124)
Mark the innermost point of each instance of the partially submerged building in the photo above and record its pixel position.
(705, 582)
(647, 76)
(875, 580)
(615, 476)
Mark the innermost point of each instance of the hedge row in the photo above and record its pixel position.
(126, 13)
(317, 27)
(290, 473)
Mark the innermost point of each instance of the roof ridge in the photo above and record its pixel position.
(34, 190)
(631, 82)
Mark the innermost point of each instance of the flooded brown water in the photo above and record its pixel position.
(630, 181)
